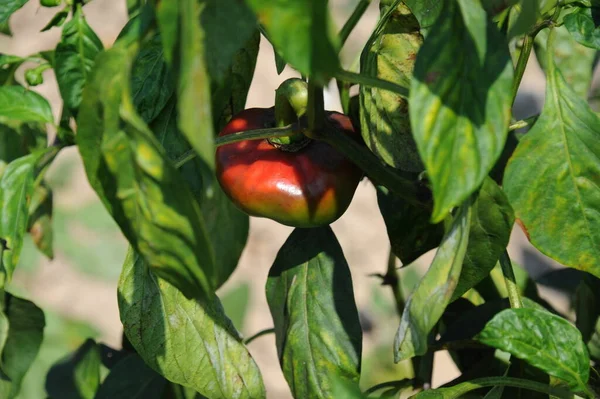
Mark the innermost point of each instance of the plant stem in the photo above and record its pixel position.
(256, 134)
(406, 382)
(350, 24)
(523, 123)
(391, 278)
(511, 284)
(459, 390)
(522, 64)
(344, 90)
(526, 50)
(316, 106)
(259, 334)
(369, 81)
(374, 168)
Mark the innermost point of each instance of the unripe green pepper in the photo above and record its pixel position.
(50, 3)
(34, 76)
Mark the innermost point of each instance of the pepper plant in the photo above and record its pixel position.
(159, 121)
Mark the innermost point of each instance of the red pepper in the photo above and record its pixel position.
(310, 187)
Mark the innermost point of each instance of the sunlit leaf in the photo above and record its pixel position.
(57, 20)
(428, 301)
(552, 179)
(191, 342)
(303, 33)
(7, 8)
(129, 169)
(21, 105)
(311, 299)
(16, 189)
(460, 102)
(583, 29)
(390, 55)
(74, 58)
(576, 62)
(26, 329)
(193, 86)
(491, 225)
(544, 340)
(226, 226)
(152, 83)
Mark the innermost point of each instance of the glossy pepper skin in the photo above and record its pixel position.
(307, 188)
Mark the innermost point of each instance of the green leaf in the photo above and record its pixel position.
(317, 330)
(426, 11)
(21, 105)
(460, 102)
(7, 8)
(390, 55)
(16, 189)
(583, 29)
(146, 195)
(131, 378)
(26, 329)
(587, 306)
(229, 95)
(227, 226)
(576, 62)
(8, 66)
(228, 25)
(76, 376)
(193, 85)
(346, 389)
(152, 83)
(526, 14)
(552, 179)
(303, 33)
(469, 321)
(57, 20)
(4, 323)
(491, 225)
(408, 227)
(433, 293)
(74, 58)
(191, 342)
(40, 219)
(543, 340)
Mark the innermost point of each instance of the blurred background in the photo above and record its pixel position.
(77, 290)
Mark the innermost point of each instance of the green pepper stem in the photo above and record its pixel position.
(514, 297)
(255, 134)
(350, 24)
(378, 172)
(369, 81)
